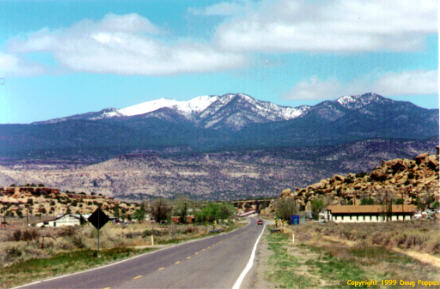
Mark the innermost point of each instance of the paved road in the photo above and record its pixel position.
(208, 263)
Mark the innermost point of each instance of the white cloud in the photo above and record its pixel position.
(419, 82)
(222, 8)
(338, 25)
(126, 44)
(409, 83)
(12, 65)
(315, 88)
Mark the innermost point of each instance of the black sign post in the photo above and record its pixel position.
(98, 219)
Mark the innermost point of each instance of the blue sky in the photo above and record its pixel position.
(60, 58)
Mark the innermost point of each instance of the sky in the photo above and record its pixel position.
(63, 57)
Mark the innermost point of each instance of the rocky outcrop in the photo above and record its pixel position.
(414, 181)
(43, 201)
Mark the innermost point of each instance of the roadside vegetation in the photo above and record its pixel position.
(61, 263)
(28, 254)
(328, 255)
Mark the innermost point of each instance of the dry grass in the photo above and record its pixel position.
(21, 244)
(423, 236)
(327, 255)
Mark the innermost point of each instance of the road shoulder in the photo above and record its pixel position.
(257, 276)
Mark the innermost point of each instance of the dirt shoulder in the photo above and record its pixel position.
(257, 277)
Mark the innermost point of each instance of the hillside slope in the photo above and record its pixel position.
(414, 181)
(226, 175)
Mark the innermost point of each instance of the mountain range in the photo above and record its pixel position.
(215, 123)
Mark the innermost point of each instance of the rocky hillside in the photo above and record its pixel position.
(43, 201)
(415, 181)
(227, 175)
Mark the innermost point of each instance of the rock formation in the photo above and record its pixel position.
(414, 181)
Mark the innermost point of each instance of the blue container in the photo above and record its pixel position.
(294, 220)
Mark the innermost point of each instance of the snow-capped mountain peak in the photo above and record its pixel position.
(344, 100)
(358, 101)
(235, 110)
(196, 104)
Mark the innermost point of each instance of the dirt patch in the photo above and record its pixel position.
(422, 257)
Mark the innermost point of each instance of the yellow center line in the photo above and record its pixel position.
(189, 257)
(137, 277)
(196, 253)
(107, 287)
(203, 249)
(177, 262)
(161, 269)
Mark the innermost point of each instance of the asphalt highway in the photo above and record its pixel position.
(214, 262)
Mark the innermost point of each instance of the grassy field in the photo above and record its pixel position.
(29, 254)
(61, 263)
(318, 262)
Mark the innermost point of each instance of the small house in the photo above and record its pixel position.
(369, 213)
(61, 221)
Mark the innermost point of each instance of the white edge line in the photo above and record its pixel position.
(125, 260)
(250, 263)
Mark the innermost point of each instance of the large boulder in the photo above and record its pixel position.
(337, 178)
(286, 193)
(398, 165)
(421, 158)
(432, 162)
(379, 174)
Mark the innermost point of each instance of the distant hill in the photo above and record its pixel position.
(43, 201)
(219, 175)
(214, 124)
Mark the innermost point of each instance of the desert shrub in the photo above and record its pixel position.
(189, 230)
(367, 201)
(398, 201)
(16, 236)
(78, 242)
(30, 235)
(26, 235)
(131, 235)
(13, 253)
(67, 231)
(361, 175)
(153, 232)
(433, 246)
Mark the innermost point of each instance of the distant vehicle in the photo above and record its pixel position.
(260, 222)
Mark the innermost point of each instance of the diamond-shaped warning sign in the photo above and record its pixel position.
(98, 218)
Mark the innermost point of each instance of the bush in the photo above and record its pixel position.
(13, 253)
(361, 175)
(153, 232)
(16, 236)
(30, 235)
(317, 206)
(78, 242)
(67, 231)
(367, 201)
(214, 211)
(285, 208)
(27, 235)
